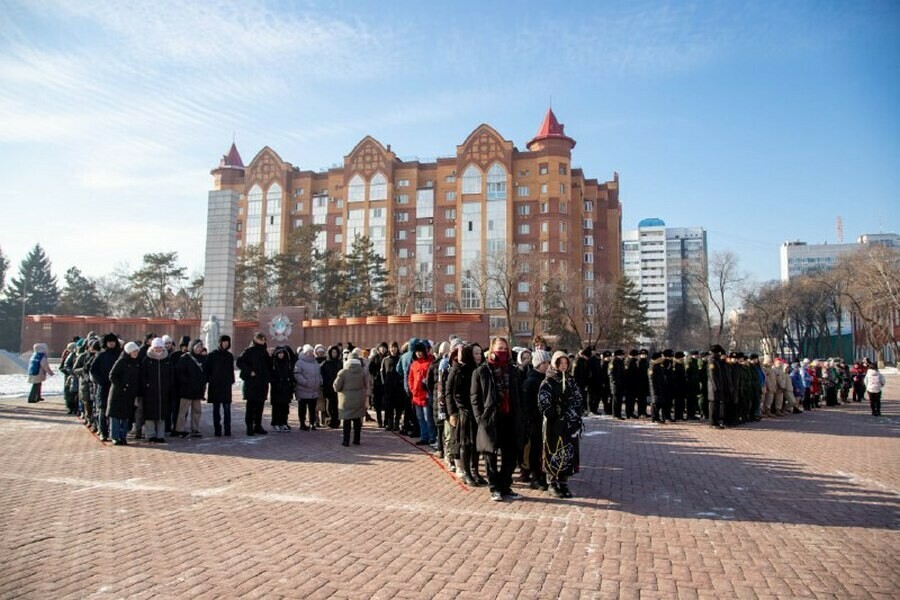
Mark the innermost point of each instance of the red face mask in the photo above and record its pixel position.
(500, 357)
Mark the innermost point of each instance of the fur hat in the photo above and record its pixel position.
(131, 347)
(524, 356)
(538, 357)
(157, 343)
(166, 339)
(185, 341)
(556, 356)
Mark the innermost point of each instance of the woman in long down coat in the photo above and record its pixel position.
(351, 386)
(282, 388)
(560, 403)
(460, 415)
(125, 377)
(157, 389)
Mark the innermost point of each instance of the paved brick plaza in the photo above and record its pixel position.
(805, 506)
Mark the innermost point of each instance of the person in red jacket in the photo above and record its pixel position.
(417, 380)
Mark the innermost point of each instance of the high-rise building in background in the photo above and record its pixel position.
(800, 258)
(660, 260)
(442, 224)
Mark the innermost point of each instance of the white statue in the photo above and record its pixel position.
(210, 331)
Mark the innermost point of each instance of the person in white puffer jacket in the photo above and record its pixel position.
(874, 383)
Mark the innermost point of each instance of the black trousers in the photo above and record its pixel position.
(307, 406)
(280, 412)
(607, 400)
(331, 401)
(254, 414)
(716, 412)
(221, 409)
(875, 402)
(535, 453)
(692, 406)
(357, 428)
(678, 402)
(35, 394)
(500, 475)
(617, 402)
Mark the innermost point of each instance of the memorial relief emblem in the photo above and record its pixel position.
(280, 327)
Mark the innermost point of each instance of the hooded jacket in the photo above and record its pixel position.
(282, 379)
(417, 380)
(157, 385)
(406, 360)
(308, 376)
(220, 374)
(255, 367)
(330, 369)
(38, 366)
(126, 386)
(351, 385)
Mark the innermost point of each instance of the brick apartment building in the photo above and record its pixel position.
(446, 226)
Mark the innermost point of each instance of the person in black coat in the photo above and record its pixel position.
(255, 367)
(617, 384)
(679, 385)
(282, 382)
(220, 378)
(99, 371)
(633, 384)
(692, 384)
(660, 383)
(531, 411)
(603, 383)
(461, 415)
(495, 402)
(643, 387)
(581, 372)
(191, 388)
(377, 384)
(392, 388)
(125, 379)
(718, 389)
(330, 368)
(157, 390)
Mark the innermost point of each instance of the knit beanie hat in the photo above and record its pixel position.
(131, 347)
(538, 357)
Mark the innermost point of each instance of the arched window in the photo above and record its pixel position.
(378, 188)
(356, 189)
(471, 180)
(496, 182)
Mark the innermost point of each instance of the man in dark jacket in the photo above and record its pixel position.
(540, 362)
(643, 390)
(582, 371)
(255, 367)
(330, 368)
(692, 384)
(679, 385)
(495, 402)
(633, 384)
(660, 381)
(392, 385)
(220, 378)
(99, 371)
(718, 390)
(191, 388)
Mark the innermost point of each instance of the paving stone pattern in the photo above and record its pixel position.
(804, 506)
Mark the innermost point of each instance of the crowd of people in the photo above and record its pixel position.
(501, 407)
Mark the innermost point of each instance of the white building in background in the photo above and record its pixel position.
(800, 258)
(657, 259)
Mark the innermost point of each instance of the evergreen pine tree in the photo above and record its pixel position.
(155, 282)
(294, 269)
(80, 295)
(366, 280)
(34, 291)
(332, 289)
(4, 265)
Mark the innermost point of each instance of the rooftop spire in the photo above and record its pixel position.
(551, 129)
(232, 159)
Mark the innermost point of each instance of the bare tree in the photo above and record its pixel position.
(716, 290)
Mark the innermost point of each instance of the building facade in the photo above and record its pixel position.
(659, 260)
(799, 258)
(447, 227)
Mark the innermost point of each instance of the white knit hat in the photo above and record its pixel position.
(539, 357)
(131, 347)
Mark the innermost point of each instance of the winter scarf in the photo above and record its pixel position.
(501, 380)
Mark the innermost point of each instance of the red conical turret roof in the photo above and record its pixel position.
(551, 129)
(233, 158)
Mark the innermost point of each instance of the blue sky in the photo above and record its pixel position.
(762, 121)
